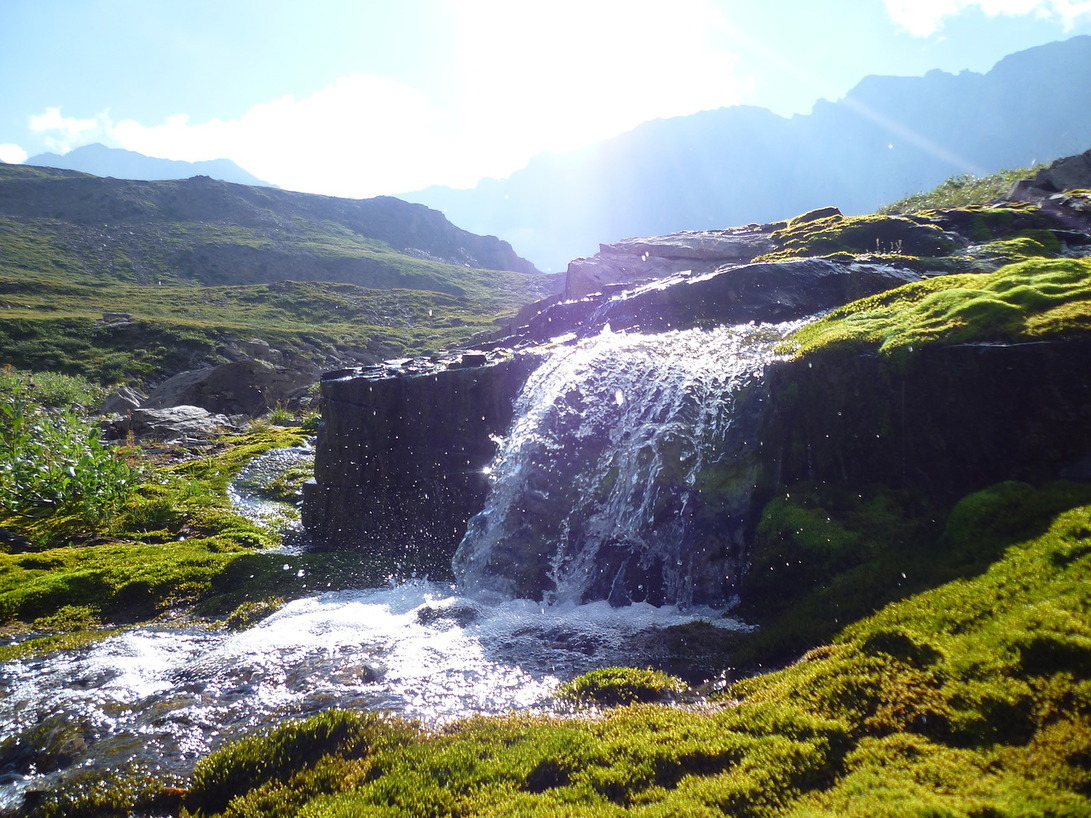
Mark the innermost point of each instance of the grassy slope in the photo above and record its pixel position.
(58, 276)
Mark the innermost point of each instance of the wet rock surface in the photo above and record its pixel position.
(402, 459)
(954, 419)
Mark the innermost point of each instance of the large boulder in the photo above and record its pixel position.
(121, 401)
(175, 424)
(245, 387)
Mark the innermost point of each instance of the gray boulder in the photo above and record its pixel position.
(122, 401)
(172, 425)
(248, 386)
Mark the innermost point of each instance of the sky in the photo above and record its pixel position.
(359, 98)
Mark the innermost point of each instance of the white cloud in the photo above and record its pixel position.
(359, 136)
(62, 133)
(12, 154)
(526, 79)
(922, 18)
(575, 71)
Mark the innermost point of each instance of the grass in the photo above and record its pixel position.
(959, 191)
(175, 545)
(53, 326)
(1023, 301)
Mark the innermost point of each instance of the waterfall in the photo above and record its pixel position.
(627, 472)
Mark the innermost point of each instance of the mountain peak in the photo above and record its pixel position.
(100, 160)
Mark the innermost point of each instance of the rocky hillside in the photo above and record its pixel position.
(213, 232)
(338, 281)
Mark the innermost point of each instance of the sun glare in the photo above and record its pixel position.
(570, 73)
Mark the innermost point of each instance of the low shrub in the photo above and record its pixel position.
(57, 480)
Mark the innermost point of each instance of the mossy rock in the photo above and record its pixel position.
(814, 234)
(984, 223)
(613, 686)
(1030, 300)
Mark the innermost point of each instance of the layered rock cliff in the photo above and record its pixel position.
(953, 414)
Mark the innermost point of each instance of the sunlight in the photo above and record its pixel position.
(577, 72)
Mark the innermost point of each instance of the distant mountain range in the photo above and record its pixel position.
(889, 137)
(121, 164)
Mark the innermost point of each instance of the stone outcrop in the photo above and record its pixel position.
(1067, 173)
(175, 424)
(400, 459)
(400, 463)
(636, 261)
(772, 292)
(121, 401)
(245, 387)
(732, 293)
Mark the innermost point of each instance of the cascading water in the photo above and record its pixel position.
(598, 487)
(597, 495)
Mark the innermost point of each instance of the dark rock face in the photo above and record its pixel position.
(948, 419)
(400, 459)
(731, 294)
(779, 291)
(1065, 174)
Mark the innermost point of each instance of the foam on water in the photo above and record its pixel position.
(165, 696)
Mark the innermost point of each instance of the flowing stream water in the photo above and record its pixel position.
(162, 697)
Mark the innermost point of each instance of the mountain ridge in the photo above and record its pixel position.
(887, 138)
(100, 160)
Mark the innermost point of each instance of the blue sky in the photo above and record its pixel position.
(358, 98)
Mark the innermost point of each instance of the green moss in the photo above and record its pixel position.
(285, 752)
(177, 543)
(817, 235)
(1029, 300)
(612, 686)
(250, 613)
(970, 698)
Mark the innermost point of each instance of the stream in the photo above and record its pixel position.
(601, 464)
(162, 697)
